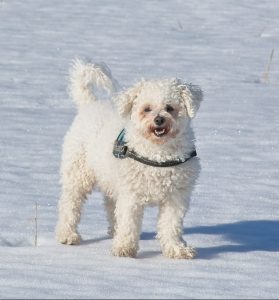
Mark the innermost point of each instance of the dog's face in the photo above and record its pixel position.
(160, 110)
(157, 119)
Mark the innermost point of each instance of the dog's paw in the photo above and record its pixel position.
(180, 252)
(123, 251)
(68, 238)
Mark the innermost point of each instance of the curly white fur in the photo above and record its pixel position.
(129, 185)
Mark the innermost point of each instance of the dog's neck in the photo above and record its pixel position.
(178, 147)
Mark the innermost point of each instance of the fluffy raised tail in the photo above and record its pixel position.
(87, 78)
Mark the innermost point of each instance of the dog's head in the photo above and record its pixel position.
(160, 109)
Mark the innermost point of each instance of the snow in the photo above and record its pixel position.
(233, 220)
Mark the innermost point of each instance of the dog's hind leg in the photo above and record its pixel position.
(77, 183)
(110, 209)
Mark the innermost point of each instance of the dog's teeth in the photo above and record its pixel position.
(159, 132)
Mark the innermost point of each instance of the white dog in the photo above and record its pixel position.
(154, 159)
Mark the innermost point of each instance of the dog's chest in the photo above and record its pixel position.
(154, 185)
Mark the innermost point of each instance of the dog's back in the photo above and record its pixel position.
(97, 123)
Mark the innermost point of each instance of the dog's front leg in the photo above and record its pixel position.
(170, 230)
(129, 216)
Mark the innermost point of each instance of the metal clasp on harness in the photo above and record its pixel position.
(120, 151)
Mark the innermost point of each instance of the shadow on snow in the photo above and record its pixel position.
(243, 236)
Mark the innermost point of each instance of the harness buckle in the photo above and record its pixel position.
(120, 151)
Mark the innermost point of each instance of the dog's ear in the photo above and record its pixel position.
(192, 96)
(124, 101)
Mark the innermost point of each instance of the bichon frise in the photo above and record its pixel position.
(144, 154)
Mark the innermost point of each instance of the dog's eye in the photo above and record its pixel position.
(169, 109)
(147, 109)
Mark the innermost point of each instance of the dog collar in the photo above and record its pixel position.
(121, 150)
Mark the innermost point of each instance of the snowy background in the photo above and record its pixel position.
(224, 46)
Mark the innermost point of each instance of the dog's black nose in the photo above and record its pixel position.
(159, 120)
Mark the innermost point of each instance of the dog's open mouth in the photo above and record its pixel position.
(160, 131)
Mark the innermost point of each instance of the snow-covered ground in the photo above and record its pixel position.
(223, 46)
